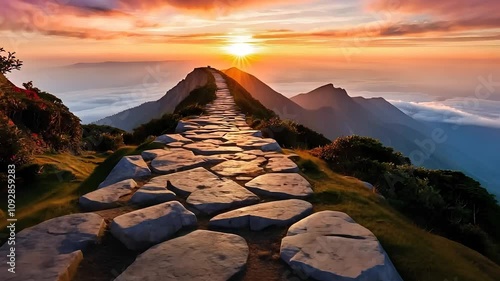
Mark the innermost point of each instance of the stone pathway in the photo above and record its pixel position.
(235, 187)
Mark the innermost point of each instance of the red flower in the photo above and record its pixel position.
(11, 123)
(34, 135)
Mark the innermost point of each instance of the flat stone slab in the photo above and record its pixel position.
(149, 155)
(183, 126)
(52, 250)
(129, 167)
(249, 142)
(280, 185)
(200, 255)
(235, 168)
(199, 137)
(207, 148)
(107, 197)
(170, 138)
(177, 159)
(282, 165)
(143, 228)
(238, 134)
(330, 245)
(260, 216)
(225, 195)
(186, 182)
(152, 193)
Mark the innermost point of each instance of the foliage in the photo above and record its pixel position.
(418, 254)
(9, 62)
(101, 137)
(41, 117)
(290, 134)
(355, 148)
(15, 148)
(447, 202)
(164, 125)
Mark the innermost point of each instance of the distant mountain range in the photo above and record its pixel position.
(331, 111)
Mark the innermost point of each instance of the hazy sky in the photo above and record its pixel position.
(69, 30)
(416, 51)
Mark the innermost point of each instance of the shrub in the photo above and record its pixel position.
(191, 110)
(9, 62)
(164, 125)
(101, 138)
(14, 147)
(290, 134)
(356, 147)
(447, 202)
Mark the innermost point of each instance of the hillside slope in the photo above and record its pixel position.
(131, 118)
(332, 112)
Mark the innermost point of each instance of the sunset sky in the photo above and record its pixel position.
(423, 53)
(179, 29)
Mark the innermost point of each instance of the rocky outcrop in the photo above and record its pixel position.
(53, 249)
(143, 228)
(108, 196)
(280, 185)
(261, 216)
(129, 167)
(201, 255)
(329, 245)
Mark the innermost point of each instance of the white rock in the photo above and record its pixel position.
(260, 216)
(226, 195)
(186, 182)
(153, 192)
(170, 138)
(282, 165)
(200, 255)
(235, 168)
(129, 167)
(329, 245)
(149, 155)
(107, 197)
(143, 228)
(52, 249)
(280, 185)
(177, 159)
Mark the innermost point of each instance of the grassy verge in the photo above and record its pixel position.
(54, 192)
(418, 255)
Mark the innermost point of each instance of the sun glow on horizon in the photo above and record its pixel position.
(241, 49)
(240, 46)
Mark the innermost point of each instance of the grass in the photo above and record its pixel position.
(56, 190)
(418, 255)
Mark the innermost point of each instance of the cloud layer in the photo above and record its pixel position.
(459, 111)
(384, 21)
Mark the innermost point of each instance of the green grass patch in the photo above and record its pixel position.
(417, 254)
(55, 190)
(64, 178)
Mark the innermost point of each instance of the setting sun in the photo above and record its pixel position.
(241, 49)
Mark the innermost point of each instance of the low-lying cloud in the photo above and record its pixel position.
(459, 111)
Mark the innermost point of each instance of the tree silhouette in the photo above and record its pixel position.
(9, 62)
